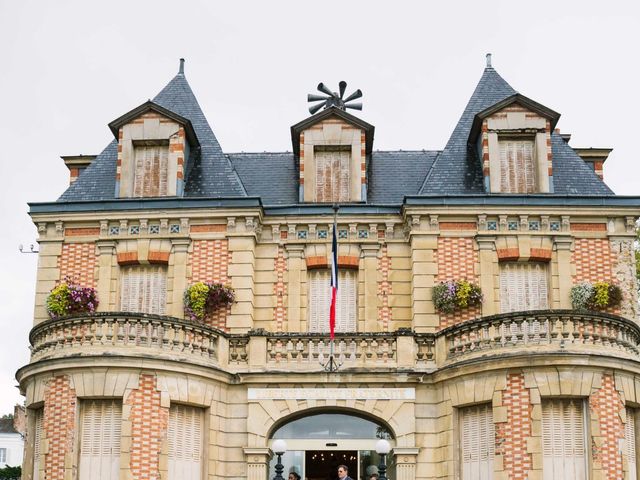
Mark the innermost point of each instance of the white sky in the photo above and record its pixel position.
(68, 68)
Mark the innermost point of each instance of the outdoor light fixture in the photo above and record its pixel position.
(279, 447)
(383, 448)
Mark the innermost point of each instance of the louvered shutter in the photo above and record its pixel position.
(563, 440)
(517, 166)
(630, 443)
(319, 301)
(332, 175)
(477, 442)
(100, 440)
(150, 171)
(37, 442)
(523, 286)
(185, 432)
(144, 289)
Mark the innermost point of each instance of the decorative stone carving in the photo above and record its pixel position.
(389, 230)
(433, 221)
(503, 223)
(544, 223)
(482, 222)
(104, 227)
(624, 274)
(566, 225)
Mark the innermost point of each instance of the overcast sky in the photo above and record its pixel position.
(68, 68)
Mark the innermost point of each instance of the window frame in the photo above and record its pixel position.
(529, 138)
(324, 300)
(320, 149)
(506, 293)
(460, 437)
(163, 280)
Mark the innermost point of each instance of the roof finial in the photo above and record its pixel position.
(489, 60)
(181, 71)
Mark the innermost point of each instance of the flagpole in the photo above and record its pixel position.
(332, 365)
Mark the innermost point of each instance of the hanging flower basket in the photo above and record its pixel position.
(595, 296)
(202, 299)
(69, 298)
(454, 295)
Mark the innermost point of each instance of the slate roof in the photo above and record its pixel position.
(456, 170)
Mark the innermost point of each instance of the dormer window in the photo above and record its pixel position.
(154, 146)
(517, 166)
(151, 169)
(513, 141)
(332, 149)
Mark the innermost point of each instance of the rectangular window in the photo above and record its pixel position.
(523, 286)
(185, 440)
(630, 443)
(477, 442)
(319, 300)
(3, 457)
(563, 439)
(150, 170)
(332, 175)
(37, 442)
(100, 440)
(144, 289)
(517, 166)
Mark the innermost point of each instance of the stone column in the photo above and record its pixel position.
(295, 254)
(106, 252)
(424, 270)
(488, 264)
(257, 461)
(565, 279)
(47, 275)
(180, 247)
(370, 255)
(405, 463)
(242, 274)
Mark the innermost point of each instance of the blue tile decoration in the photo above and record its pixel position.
(174, 228)
(134, 229)
(554, 226)
(302, 234)
(492, 225)
(343, 233)
(114, 230)
(534, 225)
(513, 225)
(323, 233)
(154, 229)
(363, 233)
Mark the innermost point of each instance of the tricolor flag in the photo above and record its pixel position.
(334, 282)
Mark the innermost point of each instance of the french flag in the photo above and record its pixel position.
(334, 282)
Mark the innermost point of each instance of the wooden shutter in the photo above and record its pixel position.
(332, 175)
(37, 442)
(523, 286)
(144, 289)
(630, 443)
(517, 166)
(100, 440)
(563, 440)
(477, 441)
(319, 301)
(150, 171)
(185, 432)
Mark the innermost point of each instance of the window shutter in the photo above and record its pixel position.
(517, 166)
(342, 176)
(100, 440)
(523, 286)
(332, 175)
(144, 289)
(477, 442)
(563, 439)
(185, 442)
(150, 171)
(630, 443)
(319, 301)
(346, 308)
(37, 442)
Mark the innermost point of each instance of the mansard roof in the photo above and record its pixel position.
(392, 175)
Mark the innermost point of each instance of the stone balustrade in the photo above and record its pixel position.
(135, 335)
(127, 334)
(543, 331)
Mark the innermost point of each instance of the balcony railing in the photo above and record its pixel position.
(519, 333)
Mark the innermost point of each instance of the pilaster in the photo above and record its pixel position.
(370, 255)
(106, 253)
(563, 249)
(488, 259)
(257, 460)
(405, 463)
(178, 265)
(295, 260)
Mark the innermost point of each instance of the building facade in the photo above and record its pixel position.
(519, 386)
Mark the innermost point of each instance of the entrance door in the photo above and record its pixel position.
(323, 464)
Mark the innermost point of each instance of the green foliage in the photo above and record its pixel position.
(202, 299)
(595, 296)
(10, 473)
(452, 295)
(69, 298)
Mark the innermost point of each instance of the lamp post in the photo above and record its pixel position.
(383, 447)
(279, 448)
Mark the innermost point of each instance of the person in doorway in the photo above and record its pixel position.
(373, 476)
(294, 476)
(343, 472)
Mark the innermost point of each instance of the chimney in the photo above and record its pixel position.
(77, 164)
(489, 60)
(595, 158)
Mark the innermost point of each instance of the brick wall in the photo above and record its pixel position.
(592, 259)
(512, 435)
(605, 406)
(280, 291)
(457, 260)
(148, 428)
(209, 262)
(78, 261)
(384, 290)
(59, 425)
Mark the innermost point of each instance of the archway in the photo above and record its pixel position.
(319, 441)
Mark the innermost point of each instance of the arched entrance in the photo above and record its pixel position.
(317, 443)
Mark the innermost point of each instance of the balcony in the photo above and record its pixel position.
(167, 338)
